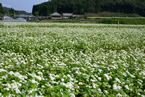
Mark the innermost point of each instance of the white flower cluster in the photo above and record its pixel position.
(64, 59)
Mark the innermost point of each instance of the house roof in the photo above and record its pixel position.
(67, 14)
(76, 16)
(55, 14)
(24, 16)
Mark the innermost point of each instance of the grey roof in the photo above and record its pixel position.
(76, 16)
(55, 14)
(25, 16)
(67, 14)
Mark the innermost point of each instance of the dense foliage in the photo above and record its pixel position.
(12, 11)
(2, 11)
(68, 60)
(90, 6)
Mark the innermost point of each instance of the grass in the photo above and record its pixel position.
(104, 20)
(111, 14)
(122, 20)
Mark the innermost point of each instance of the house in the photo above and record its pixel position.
(67, 15)
(5, 17)
(56, 15)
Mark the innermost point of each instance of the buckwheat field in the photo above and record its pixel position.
(72, 60)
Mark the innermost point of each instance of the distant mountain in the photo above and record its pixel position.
(23, 12)
(6, 8)
(19, 11)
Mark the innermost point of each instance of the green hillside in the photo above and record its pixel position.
(18, 11)
(90, 6)
(10, 11)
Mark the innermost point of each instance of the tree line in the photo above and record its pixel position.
(89, 6)
(2, 11)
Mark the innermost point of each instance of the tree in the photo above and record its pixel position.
(2, 11)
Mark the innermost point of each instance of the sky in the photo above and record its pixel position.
(25, 5)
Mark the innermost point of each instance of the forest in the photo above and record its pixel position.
(90, 6)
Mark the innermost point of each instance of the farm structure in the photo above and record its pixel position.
(67, 15)
(56, 15)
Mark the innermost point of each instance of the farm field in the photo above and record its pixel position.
(72, 60)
